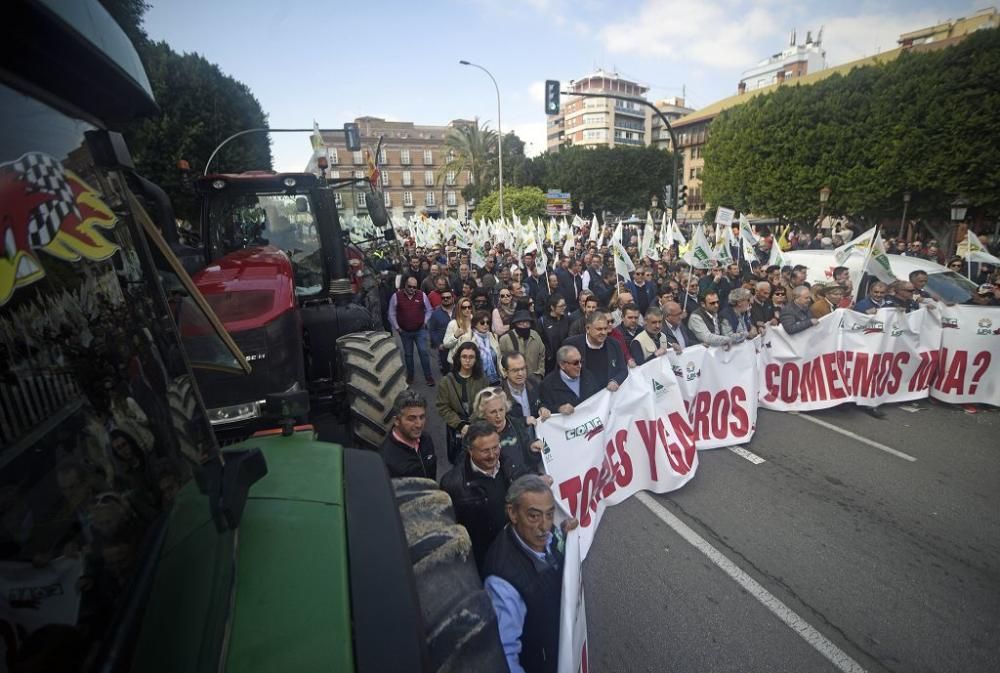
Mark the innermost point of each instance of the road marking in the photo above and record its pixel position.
(743, 453)
(824, 646)
(855, 436)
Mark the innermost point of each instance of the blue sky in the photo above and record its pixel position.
(334, 61)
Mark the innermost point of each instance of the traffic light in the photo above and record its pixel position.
(352, 135)
(551, 96)
(682, 195)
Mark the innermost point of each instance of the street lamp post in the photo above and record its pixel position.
(499, 130)
(824, 196)
(902, 223)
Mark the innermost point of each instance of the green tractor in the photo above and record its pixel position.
(129, 541)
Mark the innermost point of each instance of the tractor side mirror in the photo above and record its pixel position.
(376, 209)
(302, 204)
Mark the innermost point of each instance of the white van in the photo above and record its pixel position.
(941, 281)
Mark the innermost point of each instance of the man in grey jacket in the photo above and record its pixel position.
(795, 315)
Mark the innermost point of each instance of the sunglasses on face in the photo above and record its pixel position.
(505, 295)
(483, 322)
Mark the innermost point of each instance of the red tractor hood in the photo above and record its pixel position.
(248, 288)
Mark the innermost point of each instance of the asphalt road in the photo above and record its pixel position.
(882, 562)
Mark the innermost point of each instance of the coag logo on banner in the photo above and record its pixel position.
(986, 327)
(589, 429)
(871, 326)
(949, 323)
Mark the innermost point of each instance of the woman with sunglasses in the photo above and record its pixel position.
(459, 329)
(489, 347)
(518, 445)
(504, 310)
(456, 394)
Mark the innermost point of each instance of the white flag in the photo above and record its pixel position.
(746, 232)
(648, 234)
(861, 244)
(593, 230)
(974, 251)
(877, 263)
(776, 258)
(722, 253)
(623, 263)
(700, 255)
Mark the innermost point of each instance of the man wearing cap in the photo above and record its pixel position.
(985, 295)
(522, 339)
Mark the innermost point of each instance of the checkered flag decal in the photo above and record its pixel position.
(46, 175)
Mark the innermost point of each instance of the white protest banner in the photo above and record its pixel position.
(850, 357)
(968, 364)
(719, 388)
(32, 597)
(615, 444)
(573, 611)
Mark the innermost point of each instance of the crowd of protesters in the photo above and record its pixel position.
(513, 342)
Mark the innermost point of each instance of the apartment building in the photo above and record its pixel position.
(593, 122)
(795, 61)
(412, 160)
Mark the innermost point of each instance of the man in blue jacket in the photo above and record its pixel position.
(438, 323)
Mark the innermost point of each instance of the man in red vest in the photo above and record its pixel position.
(409, 310)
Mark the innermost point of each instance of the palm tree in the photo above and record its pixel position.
(473, 148)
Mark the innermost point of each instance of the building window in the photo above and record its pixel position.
(381, 157)
(359, 174)
(362, 202)
(358, 159)
(428, 178)
(338, 199)
(428, 157)
(335, 175)
(404, 157)
(451, 199)
(407, 198)
(428, 198)
(407, 178)
(450, 178)
(331, 155)
(388, 200)
(385, 178)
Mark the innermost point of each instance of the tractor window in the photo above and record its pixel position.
(101, 428)
(237, 221)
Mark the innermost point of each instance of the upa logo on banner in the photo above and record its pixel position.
(658, 388)
(986, 327)
(546, 452)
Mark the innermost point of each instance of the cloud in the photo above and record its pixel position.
(715, 33)
(537, 91)
(533, 135)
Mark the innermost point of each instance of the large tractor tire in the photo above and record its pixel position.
(374, 375)
(459, 621)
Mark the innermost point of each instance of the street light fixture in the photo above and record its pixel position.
(958, 208)
(824, 196)
(902, 223)
(499, 129)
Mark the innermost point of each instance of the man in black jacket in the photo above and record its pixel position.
(478, 488)
(522, 389)
(569, 384)
(602, 357)
(407, 450)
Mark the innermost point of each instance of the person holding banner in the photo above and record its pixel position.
(795, 316)
(707, 325)
(517, 438)
(523, 570)
(569, 384)
(674, 328)
(602, 357)
(875, 299)
(651, 342)
(829, 300)
(901, 296)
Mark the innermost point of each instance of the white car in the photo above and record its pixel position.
(951, 287)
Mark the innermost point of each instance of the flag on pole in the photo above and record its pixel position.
(623, 263)
(567, 248)
(746, 232)
(877, 262)
(676, 234)
(974, 251)
(700, 253)
(648, 234)
(862, 243)
(593, 230)
(783, 239)
(722, 253)
(316, 137)
(776, 258)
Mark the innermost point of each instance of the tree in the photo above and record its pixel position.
(472, 148)
(525, 201)
(925, 123)
(616, 179)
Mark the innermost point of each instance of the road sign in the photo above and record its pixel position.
(558, 203)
